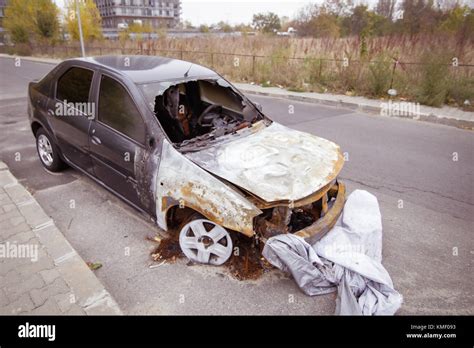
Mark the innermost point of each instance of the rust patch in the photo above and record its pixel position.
(187, 190)
(167, 202)
(299, 203)
(208, 208)
(322, 226)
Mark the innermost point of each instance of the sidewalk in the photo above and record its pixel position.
(40, 272)
(445, 115)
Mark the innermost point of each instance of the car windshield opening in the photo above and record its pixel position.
(197, 110)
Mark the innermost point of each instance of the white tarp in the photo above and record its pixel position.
(348, 259)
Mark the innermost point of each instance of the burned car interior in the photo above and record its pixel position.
(202, 109)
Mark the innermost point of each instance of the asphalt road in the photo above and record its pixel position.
(426, 199)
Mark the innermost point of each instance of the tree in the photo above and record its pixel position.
(203, 28)
(90, 19)
(318, 22)
(334, 18)
(359, 20)
(138, 28)
(338, 8)
(266, 23)
(242, 27)
(386, 8)
(418, 16)
(46, 19)
(123, 37)
(326, 25)
(455, 19)
(225, 27)
(188, 25)
(27, 20)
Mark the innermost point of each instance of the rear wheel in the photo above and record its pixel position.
(48, 152)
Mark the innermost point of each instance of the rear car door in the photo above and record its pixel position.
(71, 121)
(117, 135)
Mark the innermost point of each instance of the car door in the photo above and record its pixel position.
(70, 117)
(117, 135)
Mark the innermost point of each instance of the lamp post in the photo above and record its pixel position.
(80, 28)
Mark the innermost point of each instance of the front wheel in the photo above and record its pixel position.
(204, 241)
(48, 152)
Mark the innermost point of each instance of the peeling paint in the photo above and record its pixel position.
(182, 181)
(275, 164)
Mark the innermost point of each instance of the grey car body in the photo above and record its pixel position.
(224, 159)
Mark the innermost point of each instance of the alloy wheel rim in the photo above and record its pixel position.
(45, 150)
(204, 241)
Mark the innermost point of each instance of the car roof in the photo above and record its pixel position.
(143, 69)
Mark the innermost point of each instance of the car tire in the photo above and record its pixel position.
(48, 151)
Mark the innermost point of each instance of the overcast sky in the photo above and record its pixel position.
(234, 12)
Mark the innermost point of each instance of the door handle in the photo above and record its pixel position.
(96, 140)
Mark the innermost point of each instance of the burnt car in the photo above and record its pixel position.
(182, 145)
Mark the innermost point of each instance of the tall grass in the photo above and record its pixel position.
(310, 64)
(434, 82)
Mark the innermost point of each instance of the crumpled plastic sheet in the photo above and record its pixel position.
(347, 260)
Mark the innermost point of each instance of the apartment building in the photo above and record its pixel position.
(118, 14)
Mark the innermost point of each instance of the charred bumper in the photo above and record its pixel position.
(324, 224)
(310, 220)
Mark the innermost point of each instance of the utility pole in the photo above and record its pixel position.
(80, 28)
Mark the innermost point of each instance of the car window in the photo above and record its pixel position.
(44, 85)
(215, 94)
(117, 109)
(74, 85)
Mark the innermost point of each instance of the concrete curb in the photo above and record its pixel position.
(465, 120)
(88, 291)
(370, 107)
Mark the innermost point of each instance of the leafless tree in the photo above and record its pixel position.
(386, 8)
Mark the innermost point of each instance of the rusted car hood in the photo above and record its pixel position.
(275, 164)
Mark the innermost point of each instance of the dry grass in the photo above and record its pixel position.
(309, 64)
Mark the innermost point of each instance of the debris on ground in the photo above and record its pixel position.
(168, 250)
(157, 265)
(94, 265)
(156, 238)
(246, 262)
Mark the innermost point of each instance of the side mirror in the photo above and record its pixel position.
(258, 106)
